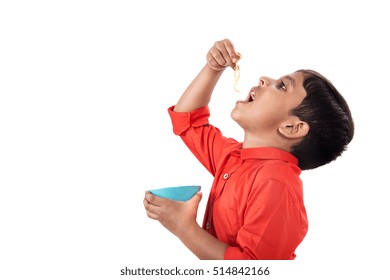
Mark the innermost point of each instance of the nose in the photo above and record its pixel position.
(265, 81)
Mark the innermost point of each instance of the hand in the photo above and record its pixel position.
(222, 55)
(176, 216)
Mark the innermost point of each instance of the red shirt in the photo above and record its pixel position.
(256, 200)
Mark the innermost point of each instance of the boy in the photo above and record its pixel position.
(255, 208)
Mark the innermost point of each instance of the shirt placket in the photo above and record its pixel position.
(225, 174)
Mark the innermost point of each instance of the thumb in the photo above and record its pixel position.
(196, 198)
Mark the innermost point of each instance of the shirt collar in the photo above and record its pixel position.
(268, 153)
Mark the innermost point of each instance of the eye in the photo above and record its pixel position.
(281, 85)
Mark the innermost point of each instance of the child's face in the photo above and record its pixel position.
(268, 104)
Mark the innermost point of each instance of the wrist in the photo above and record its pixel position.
(188, 231)
(215, 69)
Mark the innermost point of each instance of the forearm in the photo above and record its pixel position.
(198, 93)
(202, 244)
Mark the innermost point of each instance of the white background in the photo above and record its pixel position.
(84, 129)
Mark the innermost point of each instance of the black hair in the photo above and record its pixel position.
(327, 113)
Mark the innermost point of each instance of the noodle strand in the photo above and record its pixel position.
(237, 73)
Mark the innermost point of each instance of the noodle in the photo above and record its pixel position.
(237, 73)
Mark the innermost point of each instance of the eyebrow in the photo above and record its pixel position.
(291, 80)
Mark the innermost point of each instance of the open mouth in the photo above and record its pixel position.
(251, 96)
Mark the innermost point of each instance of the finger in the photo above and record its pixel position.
(152, 216)
(152, 199)
(217, 58)
(150, 207)
(158, 201)
(152, 211)
(225, 47)
(230, 55)
(213, 63)
(196, 198)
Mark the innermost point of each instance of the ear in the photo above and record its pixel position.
(294, 128)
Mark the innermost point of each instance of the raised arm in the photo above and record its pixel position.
(198, 93)
(177, 216)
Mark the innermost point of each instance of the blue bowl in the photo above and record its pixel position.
(180, 193)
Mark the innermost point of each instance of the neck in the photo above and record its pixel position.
(251, 141)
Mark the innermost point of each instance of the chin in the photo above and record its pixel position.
(235, 115)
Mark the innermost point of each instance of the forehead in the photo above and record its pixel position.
(297, 79)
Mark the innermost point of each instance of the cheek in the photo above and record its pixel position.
(267, 117)
(248, 119)
(258, 116)
(272, 108)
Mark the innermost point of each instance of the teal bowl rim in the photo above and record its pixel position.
(175, 187)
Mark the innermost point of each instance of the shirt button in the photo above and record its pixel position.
(225, 176)
(208, 225)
